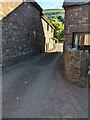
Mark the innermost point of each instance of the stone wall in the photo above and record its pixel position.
(77, 19)
(22, 34)
(76, 66)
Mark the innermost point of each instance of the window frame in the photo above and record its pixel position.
(78, 33)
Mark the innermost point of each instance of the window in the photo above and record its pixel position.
(81, 41)
(47, 27)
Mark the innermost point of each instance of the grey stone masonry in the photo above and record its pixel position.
(76, 66)
(77, 19)
(22, 34)
(77, 62)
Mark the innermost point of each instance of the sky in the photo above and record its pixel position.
(50, 4)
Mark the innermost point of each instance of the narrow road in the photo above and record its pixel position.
(37, 88)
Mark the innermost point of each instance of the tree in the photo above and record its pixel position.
(59, 28)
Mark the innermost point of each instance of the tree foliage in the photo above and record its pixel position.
(59, 28)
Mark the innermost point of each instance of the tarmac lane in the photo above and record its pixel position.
(38, 88)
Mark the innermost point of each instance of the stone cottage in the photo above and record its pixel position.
(48, 34)
(22, 31)
(77, 41)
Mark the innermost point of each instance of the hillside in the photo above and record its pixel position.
(54, 13)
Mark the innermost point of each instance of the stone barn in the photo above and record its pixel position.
(77, 42)
(22, 31)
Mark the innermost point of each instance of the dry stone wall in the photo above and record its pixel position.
(76, 66)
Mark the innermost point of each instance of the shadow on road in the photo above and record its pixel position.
(47, 59)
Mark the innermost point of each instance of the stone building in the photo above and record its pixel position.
(77, 24)
(48, 34)
(22, 31)
(77, 41)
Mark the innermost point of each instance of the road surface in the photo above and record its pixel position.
(38, 88)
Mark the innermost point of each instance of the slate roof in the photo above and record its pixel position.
(67, 3)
